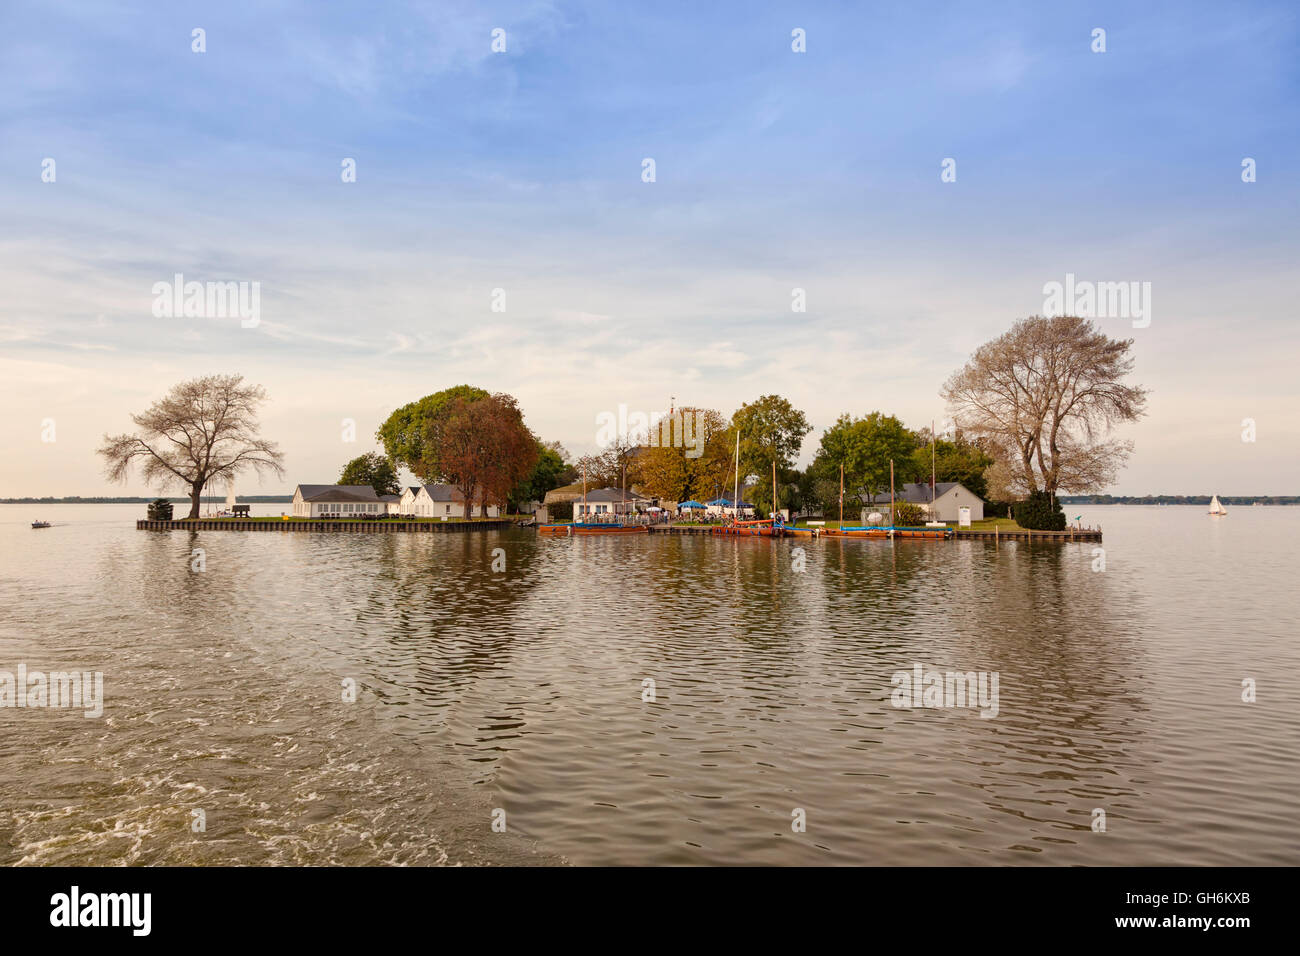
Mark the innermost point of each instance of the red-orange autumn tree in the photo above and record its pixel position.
(484, 448)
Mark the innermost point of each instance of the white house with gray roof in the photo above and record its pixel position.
(605, 503)
(949, 496)
(437, 501)
(343, 501)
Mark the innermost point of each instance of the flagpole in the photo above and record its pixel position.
(932, 469)
(891, 497)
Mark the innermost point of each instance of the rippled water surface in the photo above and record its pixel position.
(523, 690)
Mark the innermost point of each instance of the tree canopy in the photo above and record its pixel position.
(771, 432)
(482, 447)
(1046, 395)
(403, 433)
(672, 470)
(865, 447)
(374, 470)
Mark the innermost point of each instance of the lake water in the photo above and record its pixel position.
(1119, 690)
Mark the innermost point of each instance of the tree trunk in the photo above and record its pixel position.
(196, 492)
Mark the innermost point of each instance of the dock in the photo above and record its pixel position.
(1069, 534)
(324, 525)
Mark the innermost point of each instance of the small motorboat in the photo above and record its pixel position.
(40, 524)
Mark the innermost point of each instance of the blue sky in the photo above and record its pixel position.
(522, 171)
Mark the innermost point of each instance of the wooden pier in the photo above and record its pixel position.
(1021, 534)
(323, 525)
(995, 534)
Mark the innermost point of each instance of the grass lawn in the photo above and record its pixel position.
(1002, 524)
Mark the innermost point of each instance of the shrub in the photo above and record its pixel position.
(908, 514)
(160, 510)
(1040, 512)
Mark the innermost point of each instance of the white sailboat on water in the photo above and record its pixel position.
(1215, 507)
(230, 497)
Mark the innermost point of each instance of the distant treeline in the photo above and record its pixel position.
(1178, 499)
(209, 499)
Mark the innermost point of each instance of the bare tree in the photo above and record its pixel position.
(1048, 393)
(202, 432)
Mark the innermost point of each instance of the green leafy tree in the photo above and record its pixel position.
(374, 470)
(1040, 511)
(865, 447)
(955, 459)
(404, 434)
(771, 432)
(550, 471)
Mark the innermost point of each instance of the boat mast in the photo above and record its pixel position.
(841, 494)
(584, 490)
(735, 499)
(774, 492)
(891, 495)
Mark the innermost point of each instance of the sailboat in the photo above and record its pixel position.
(1215, 507)
(230, 497)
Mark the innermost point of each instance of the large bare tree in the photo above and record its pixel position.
(1048, 394)
(202, 432)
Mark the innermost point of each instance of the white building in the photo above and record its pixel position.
(949, 496)
(438, 501)
(338, 501)
(606, 504)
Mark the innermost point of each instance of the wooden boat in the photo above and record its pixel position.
(871, 532)
(569, 530)
(40, 524)
(764, 528)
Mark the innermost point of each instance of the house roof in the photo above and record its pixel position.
(337, 493)
(441, 492)
(566, 493)
(918, 493)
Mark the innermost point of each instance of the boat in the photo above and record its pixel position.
(764, 527)
(1215, 507)
(40, 524)
(584, 527)
(865, 531)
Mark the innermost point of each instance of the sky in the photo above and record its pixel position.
(523, 171)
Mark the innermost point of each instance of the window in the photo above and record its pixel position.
(448, 509)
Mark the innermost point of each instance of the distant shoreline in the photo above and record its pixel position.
(1177, 499)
